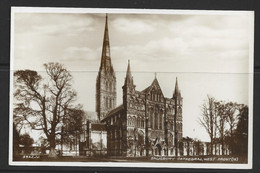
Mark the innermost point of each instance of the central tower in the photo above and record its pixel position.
(106, 80)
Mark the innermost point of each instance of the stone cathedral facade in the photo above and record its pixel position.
(146, 123)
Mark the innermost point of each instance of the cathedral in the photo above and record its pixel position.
(147, 123)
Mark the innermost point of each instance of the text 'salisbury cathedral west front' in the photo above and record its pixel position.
(146, 123)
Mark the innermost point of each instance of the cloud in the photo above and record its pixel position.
(216, 26)
(80, 54)
(152, 42)
(78, 49)
(53, 24)
(132, 26)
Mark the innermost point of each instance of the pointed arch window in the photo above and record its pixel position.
(156, 120)
(160, 120)
(134, 121)
(151, 119)
(110, 86)
(128, 121)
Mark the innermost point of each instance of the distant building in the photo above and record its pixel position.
(93, 140)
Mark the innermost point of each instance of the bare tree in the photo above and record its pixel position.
(207, 119)
(42, 102)
(221, 114)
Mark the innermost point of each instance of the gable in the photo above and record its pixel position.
(154, 88)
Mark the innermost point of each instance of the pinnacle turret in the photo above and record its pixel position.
(129, 77)
(177, 92)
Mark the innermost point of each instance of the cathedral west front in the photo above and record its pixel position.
(146, 123)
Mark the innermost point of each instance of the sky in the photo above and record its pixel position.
(208, 53)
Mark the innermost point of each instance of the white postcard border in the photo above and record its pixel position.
(135, 164)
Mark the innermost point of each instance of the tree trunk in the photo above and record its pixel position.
(215, 148)
(61, 141)
(231, 137)
(222, 145)
(52, 152)
(211, 134)
(188, 152)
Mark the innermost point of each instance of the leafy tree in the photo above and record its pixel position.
(241, 132)
(72, 125)
(44, 144)
(16, 141)
(232, 119)
(26, 141)
(42, 102)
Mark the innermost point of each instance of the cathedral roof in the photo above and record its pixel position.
(113, 111)
(98, 127)
(146, 90)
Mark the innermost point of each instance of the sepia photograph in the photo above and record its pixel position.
(131, 88)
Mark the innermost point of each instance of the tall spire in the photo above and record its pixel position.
(176, 90)
(105, 58)
(106, 79)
